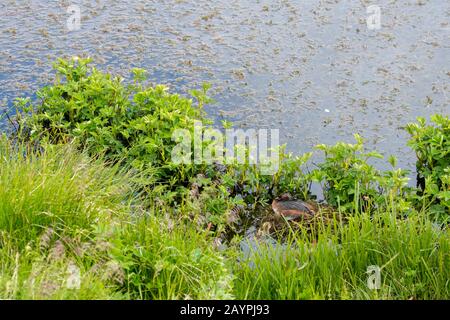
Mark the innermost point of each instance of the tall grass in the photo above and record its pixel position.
(59, 188)
(62, 211)
(51, 206)
(413, 255)
(168, 258)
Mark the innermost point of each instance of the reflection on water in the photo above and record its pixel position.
(311, 68)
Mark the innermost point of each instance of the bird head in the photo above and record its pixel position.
(284, 197)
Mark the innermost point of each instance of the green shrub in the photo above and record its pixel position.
(395, 193)
(292, 176)
(132, 122)
(349, 181)
(432, 146)
(248, 182)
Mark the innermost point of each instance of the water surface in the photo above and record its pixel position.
(311, 68)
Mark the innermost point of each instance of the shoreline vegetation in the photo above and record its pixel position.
(91, 207)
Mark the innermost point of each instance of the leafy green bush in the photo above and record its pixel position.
(395, 193)
(256, 188)
(132, 122)
(349, 181)
(432, 146)
(292, 176)
(351, 184)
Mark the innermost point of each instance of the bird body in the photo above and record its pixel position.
(292, 209)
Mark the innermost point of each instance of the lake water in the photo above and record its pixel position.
(311, 68)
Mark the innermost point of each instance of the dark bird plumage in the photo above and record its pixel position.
(292, 209)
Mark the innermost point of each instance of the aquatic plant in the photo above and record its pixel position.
(349, 181)
(432, 146)
(131, 123)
